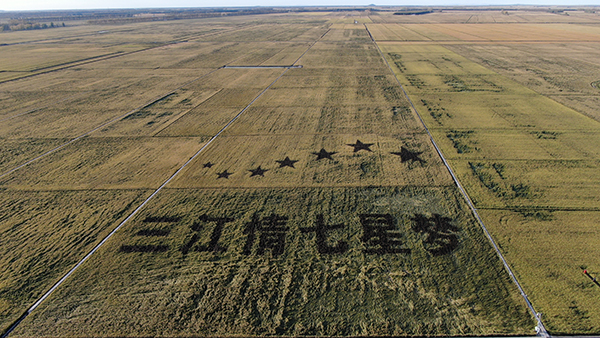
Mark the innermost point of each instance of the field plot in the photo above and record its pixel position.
(168, 266)
(44, 233)
(529, 163)
(322, 210)
(567, 73)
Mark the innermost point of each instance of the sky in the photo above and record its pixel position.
(11, 5)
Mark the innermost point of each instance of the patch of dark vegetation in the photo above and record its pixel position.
(142, 113)
(494, 178)
(213, 245)
(186, 102)
(397, 60)
(25, 25)
(412, 12)
(542, 215)
(436, 111)
(415, 81)
(458, 85)
(320, 229)
(143, 248)
(380, 235)
(499, 167)
(153, 232)
(460, 140)
(479, 169)
(545, 135)
(407, 155)
(162, 219)
(441, 235)
(271, 231)
(399, 111)
(521, 190)
(392, 93)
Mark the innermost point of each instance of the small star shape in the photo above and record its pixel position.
(407, 155)
(287, 163)
(258, 171)
(208, 165)
(361, 146)
(324, 154)
(224, 174)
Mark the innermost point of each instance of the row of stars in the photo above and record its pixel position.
(405, 155)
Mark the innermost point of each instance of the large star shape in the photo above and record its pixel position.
(207, 165)
(407, 155)
(287, 163)
(258, 171)
(224, 174)
(361, 146)
(324, 154)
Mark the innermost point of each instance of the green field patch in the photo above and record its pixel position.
(344, 262)
(106, 163)
(238, 155)
(43, 234)
(549, 255)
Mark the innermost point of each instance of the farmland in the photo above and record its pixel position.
(280, 200)
(504, 116)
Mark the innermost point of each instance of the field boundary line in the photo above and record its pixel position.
(118, 118)
(141, 206)
(541, 330)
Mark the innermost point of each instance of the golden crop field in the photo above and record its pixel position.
(274, 174)
(499, 105)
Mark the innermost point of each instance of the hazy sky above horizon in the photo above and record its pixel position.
(102, 4)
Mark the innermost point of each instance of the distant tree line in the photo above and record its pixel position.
(23, 25)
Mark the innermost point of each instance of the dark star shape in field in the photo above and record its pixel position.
(287, 163)
(361, 146)
(258, 171)
(208, 165)
(324, 154)
(407, 155)
(224, 174)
